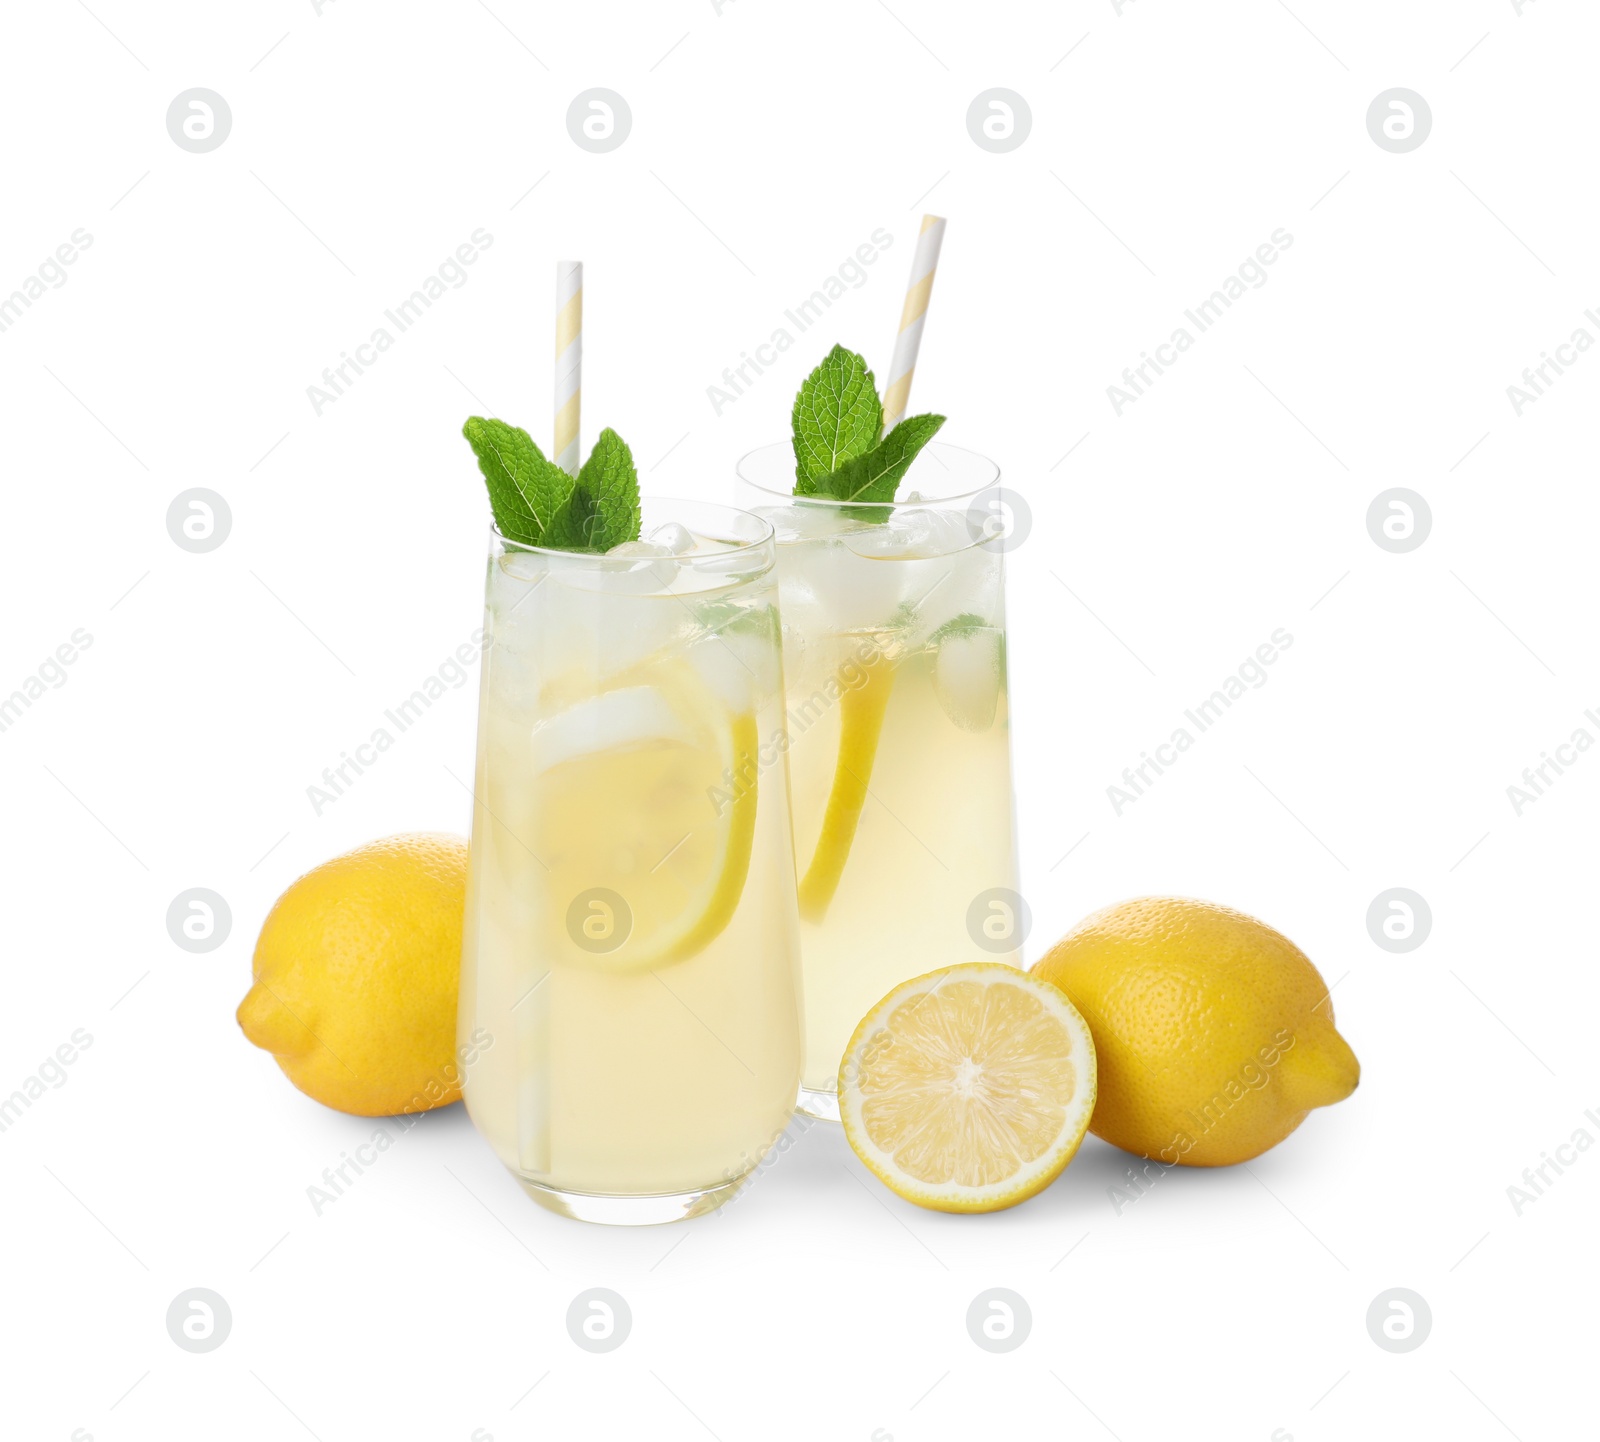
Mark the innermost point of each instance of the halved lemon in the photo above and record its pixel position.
(969, 1089)
(645, 792)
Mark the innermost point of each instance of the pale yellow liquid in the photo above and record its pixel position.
(622, 1073)
(936, 828)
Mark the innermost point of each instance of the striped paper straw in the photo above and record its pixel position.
(569, 361)
(898, 389)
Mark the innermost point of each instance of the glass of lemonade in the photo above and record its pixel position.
(631, 930)
(894, 655)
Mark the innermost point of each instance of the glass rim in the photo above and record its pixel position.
(768, 536)
(741, 470)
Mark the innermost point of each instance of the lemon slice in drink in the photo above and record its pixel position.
(861, 711)
(646, 839)
(969, 1089)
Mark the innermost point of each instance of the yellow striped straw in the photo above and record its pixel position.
(897, 389)
(569, 361)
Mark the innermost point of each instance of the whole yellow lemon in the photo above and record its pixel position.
(356, 973)
(1214, 1033)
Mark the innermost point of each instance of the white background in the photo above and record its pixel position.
(769, 141)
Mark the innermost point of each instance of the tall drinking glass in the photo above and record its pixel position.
(894, 653)
(631, 939)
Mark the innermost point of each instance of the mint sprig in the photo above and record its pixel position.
(837, 451)
(536, 503)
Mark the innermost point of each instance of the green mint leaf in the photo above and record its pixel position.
(837, 416)
(736, 618)
(963, 625)
(876, 476)
(602, 509)
(610, 475)
(576, 524)
(525, 488)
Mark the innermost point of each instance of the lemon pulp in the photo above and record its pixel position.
(969, 1089)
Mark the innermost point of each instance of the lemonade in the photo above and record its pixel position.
(631, 938)
(899, 741)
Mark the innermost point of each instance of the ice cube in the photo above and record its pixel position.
(605, 632)
(945, 533)
(632, 568)
(848, 591)
(906, 532)
(739, 665)
(872, 578)
(709, 570)
(530, 566)
(515, 678)
(943, 588)
(516, 625)
(513, 588)
(677, 539)
(809, 522)
(966, 676)
(914, 531)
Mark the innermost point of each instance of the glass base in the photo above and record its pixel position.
(644, 1211)
(824, 1106)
